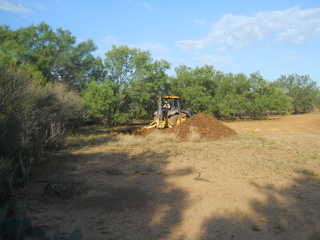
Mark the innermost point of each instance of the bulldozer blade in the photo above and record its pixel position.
(170, 124)
(152, 125)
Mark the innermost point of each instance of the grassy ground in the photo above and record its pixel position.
(267, 153)
(261, 184)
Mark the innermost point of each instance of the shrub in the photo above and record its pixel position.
(33, 117)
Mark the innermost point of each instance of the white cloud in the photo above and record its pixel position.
(200, 21)
(157, 49)
(293, 25)
(39, 6)
(292, 57)
(11, 7)
(193, 44)
(211, 59)
(152, 46)
(145, 46)
(148, 6)
(111, 40)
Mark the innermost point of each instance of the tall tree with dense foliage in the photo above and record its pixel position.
(241, 96)
(138, 78)
(100, 101)
(143, 91)
(55, 53)
(302, 89)
(203, 89)
(265, 97)
(232, 96)
(196, 87)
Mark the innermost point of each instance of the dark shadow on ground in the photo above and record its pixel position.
(290, 213)
(107, 195)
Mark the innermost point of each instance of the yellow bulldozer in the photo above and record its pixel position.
(169, 113)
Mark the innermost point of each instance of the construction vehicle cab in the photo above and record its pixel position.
(168, 117)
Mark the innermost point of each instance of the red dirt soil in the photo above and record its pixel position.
(207, 126)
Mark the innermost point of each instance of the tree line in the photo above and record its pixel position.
(49, 82)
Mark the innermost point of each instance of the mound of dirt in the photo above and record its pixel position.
(205, 125)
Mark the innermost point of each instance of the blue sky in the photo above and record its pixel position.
(275, 37)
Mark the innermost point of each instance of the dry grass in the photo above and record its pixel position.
(247, 153)
(88, 136)
(152, 140)
(194, 136)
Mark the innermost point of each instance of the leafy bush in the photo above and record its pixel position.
(33, 117)
(101, 102)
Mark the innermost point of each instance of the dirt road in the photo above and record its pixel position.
(281, 125)
(261, 184)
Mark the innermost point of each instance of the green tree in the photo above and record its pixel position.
(125, 64)
(138, 78)
(55, 53)
(273, 100)
(100, 101)
(233, 96)
(11, 51)
(196, 87)
(239, 96)
(144, 90)
(302, 90)
(266, 97)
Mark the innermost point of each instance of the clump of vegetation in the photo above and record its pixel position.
(34, 117)
(303, 91)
